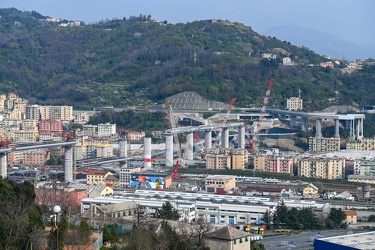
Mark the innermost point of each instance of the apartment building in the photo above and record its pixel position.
(136, 136)
(81, 117)
(240, 157)
(367, 168)
(106, 129)
(104, 150)
(90, 130)
(280, 165)
(29, 125)
(33, 112)
(321, 144)
(54, 127)
(16, 114)
(218, 161)
(97, 177)
(261, 162)
(294, 103)
(125, 175)
(36, 157)
(25, 136)
(323, 167)
(363, 144)
(92, 150)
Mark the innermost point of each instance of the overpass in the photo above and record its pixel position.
(354, 122)
(207, 140)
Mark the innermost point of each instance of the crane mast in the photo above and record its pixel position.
(254, 142)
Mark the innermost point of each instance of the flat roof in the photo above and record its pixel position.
(358, 241)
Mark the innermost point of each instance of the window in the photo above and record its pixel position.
(124, 213)
(234, 242)
(246, 239)
(118, 214)
(241, 240)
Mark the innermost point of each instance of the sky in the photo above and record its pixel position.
(351, 20)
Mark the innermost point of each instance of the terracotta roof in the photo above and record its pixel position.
(350, 213)
(227, 233)
(96, 172)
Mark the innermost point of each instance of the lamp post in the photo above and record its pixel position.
(56, 211)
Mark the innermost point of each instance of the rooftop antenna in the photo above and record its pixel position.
(242, 17)
(299, 93)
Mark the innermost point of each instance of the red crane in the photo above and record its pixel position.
(176, 175)
(253, 144)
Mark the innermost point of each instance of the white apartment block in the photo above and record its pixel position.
(106, 129)
(294, 103)
(30, 125)
(81, 117)
(287, 61)
(125, 175)
(104, 150)
(90, 130)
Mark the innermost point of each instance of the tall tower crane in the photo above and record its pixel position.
(217, 139)
(254, 142)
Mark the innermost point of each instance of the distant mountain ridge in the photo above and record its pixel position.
(322, 43)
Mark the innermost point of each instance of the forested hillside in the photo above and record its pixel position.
(138, 60)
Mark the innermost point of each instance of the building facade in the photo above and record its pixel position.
(323, 167)
(220, 183)
(294, 103)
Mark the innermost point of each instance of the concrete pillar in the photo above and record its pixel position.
(318, 128)
(293, 121)
(169, 150)
(122, 148)
(361, 128)
(189, 146)
(337, 128)
(208, 139)
(241, 137)
(68, 164)
(147, 152)
(4, 165)
(225, 138)
(304, 124)
(351, 130)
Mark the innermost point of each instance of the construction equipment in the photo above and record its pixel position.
(170, 120)
(217, 139)
(254, 141)
(4, 144)
(176, 175)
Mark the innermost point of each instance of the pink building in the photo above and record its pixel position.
(327, 65)
(54, 127)
(281, 165)
(35, 157)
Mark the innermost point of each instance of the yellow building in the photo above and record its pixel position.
(220, 183)
(216, 161)
(240, 157)
(15, 114)
(363, 144)
(351, 216)
(260, 162)
(25, 136)
(310, 190)
(321, 144)
(324, 167)
(97, 177)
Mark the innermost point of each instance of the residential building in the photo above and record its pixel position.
(25, 136)
(220, 183)
(29, 125)
(260, 162)
(327, 65)
(63, 113)
(240, 157)
(106, 129)
(136, 136)
(104, 150)
(280, 165)
(97, 176)
(125, 175)
(112, 180)
(268, 56)
(218, 161)
(16, 114)
(294, 103)
(100, 190)
(367, 167)
(227, 238)
(54, 127)
(90, 130)
(89, 150)
(321, 144)
(351, 216)
(33, 112)
(363, 144)
(310, 189)
(287, 61)
(35, 157)
(81, 117)
(322, 167)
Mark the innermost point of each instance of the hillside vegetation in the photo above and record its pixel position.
(140, 61)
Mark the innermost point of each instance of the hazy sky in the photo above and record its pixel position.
(351, 20)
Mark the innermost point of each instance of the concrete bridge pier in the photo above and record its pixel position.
(359, 129)
(4, 165)
(169, 150)
(304, 124)
(68, 164)
(293, 121)
(189, 146)
(337, 128)
(225, 138)
(241, 137)
(208, 139)
(318, 128)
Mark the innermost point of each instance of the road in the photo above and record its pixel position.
(301, 241)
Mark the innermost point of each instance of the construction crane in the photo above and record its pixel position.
(217, 139)
(175, 174)
(254, 141)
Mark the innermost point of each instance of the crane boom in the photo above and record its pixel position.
(253, 145)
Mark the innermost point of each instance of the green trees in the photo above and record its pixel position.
(20, 218)
(336, 219)
(168, 212)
